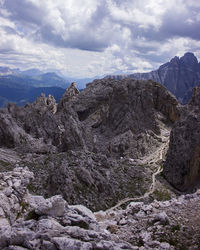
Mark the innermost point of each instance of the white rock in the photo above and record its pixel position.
(123, 221)
(165, 245)
(161, 217)
(5, 231)
(147, 208)
(9, 182)
(146, 236)
(156, 204)
(54, 206)
(140, 214)
(134, 207)
(72, 244)
(49, 225)
(84, 211)
(8, 191)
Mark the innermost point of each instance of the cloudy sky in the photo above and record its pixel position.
(86, 38)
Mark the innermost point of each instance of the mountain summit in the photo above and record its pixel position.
(179, 76)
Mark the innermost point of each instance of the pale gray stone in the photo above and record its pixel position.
(71, 244)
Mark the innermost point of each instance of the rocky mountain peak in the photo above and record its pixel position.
(71, 92)
(93, 129)
(69, 95)
(189, 60)
(179, 76)
(174, 60)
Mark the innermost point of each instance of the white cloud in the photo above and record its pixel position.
(89, 37)
(130, 13)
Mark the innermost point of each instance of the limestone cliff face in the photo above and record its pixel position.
(117, 118)
(82, 150)
(182, 166)
(179, 76)
(38, 127)
(44, 103)
(123, 118)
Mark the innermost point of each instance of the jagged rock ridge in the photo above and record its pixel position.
(91, 145)
(108, 120)
(111, 117)
(179, 76)
(182, 166)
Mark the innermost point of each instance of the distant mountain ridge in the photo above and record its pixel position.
(21, 88)
(32, 78)
(55, 78)
(7, 71)
(24, 86)
(179, 76)
(21, 96)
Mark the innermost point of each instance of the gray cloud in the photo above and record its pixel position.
(177, 24)
(23, 11)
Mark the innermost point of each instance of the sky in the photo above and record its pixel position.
(87, 38)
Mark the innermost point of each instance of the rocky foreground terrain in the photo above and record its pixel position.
(33, 222)
(124, 149)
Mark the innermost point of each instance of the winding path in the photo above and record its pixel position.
(151, 190)
(156, 156)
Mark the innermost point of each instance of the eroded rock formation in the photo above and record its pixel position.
(124, 118)
(182, 166)
(79, 148)
(100, 146)
(32, 222)
(116, 118)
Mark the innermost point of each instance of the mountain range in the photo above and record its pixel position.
(179, 76)
(125, 149)
(21, 87)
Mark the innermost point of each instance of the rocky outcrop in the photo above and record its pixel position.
(69, 95)
(39, 128)
(116, 118)
(125, 118)
(102, 145)
(92, 179)
(172, 224)
(179, 76)
(89, 150)
(32, 222)
(182, 166)
(43, 103)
